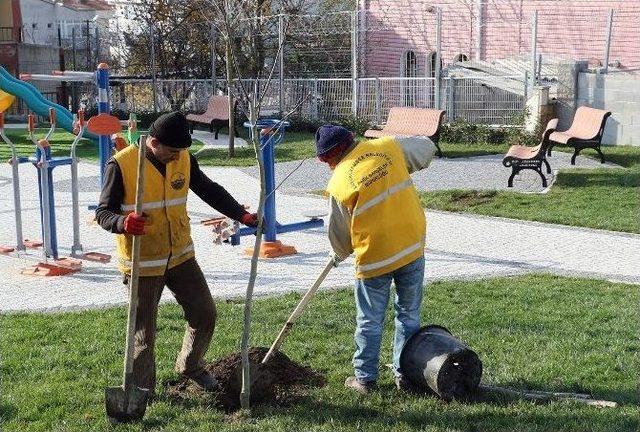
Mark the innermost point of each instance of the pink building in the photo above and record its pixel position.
(398, 37)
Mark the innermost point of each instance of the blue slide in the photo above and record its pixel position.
(36, 102)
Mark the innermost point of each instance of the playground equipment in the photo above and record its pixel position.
(41, 106)
(15, 177)
(6, 100)
(45, 164)
(271, 134)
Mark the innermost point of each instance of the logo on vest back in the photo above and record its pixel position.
(177, 181)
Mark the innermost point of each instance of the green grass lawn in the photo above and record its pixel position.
(604, 198)
(295, 146)
(458, 150)
(531, 332)
(301, 145)
(60, 144)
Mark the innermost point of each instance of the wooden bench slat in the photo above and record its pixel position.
(521, 157)
(411, 122)
(217, 109)
(585, 131)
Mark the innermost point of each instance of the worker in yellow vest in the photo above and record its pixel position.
(167, 256)
(376, 213)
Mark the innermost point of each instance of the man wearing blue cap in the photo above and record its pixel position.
(376, 213)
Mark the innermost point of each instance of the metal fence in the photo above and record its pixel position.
(331, 99)
(361, 63)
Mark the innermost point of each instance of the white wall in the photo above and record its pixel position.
(40, 20)
(620, 94)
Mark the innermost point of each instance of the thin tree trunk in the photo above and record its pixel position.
(231, 100)
(245, 393)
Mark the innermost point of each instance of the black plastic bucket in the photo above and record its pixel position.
(434, 359)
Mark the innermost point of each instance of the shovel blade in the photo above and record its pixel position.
(124, 407)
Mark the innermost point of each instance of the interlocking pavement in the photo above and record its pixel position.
(458, 246)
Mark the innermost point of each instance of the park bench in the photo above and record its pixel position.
(411, 122)
(585, 132)
(521, 157)
(216, 115)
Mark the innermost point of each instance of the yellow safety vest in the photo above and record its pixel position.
(387, 221)
(167, 240)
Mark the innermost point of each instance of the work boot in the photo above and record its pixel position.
(205, 381)
(361, 386)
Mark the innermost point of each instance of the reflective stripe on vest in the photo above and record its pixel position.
(164, 204)
(184, 251)
(155, 204)
(381, 197)
(159, 262)
(387, 221)
(390, 260)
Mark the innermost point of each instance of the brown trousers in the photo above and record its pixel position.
(189, 287)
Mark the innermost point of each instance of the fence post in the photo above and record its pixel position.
(281, 61)
(479, 27)
(354, 62)
(74, 91)
(526, 88)
(452, 94)
(88, 47)
(214, 84)
(378, 107)
(315, 98)
(534, 47)
(607, 46)
(438, 74)
(98, 46)
(153, 66)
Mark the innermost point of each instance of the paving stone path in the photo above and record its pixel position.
(458, 246)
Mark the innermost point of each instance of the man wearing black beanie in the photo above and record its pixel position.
(167, 255)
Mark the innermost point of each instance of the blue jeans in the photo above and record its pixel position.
(372, 298)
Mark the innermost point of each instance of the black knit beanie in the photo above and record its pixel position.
(172, 130)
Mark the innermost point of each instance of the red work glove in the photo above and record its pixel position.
(250, 219)
(134, 224)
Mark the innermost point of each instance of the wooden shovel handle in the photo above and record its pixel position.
(135, 270)
(298, 310)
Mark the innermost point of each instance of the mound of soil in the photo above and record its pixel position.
(278, 382)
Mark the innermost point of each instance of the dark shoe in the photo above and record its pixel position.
(205, 381)
(361, 386)
(404, 385)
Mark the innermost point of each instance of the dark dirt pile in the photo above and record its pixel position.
(278, 382)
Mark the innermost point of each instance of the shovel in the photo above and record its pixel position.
(299, 309)
(128, 402)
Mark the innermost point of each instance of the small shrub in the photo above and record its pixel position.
(304, 124)
(355, 124)
(462, 132)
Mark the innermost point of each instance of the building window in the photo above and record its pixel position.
(410, 66)
(461, 58)
(431, 64)
(409, 70)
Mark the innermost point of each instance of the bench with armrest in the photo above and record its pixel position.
(216, 115)
(404, 121)
(586, 131)
(521, 157)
